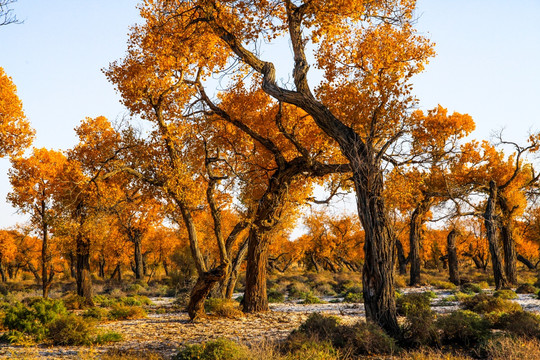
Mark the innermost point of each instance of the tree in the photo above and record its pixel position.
(15, 131)
(6, 14)
(8, 249)
(35, 181)
(367, 55)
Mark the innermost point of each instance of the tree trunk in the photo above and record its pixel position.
(84, 280)
(117, 272)
(402, 260)
(101, 264)
(2, 272)
(232, 276)
(255, 299)
(205, 282)
(166, 267)
(491, 232)
(139, 266)
(453, 265)
(378, 272)
(509, 250)
(415, 236)
(526, 262)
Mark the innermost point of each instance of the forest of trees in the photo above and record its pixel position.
(217, 178)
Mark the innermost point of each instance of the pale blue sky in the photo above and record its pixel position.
(487, 65)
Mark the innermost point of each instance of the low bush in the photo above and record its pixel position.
(275, 296)
(510, 348)
(526, 289)
(96, 313)
(71, 330)
(352, 297)
(419, 327)
(309, 298)
(463, 327)
(220, 349)
(33, 319)
(444, 285)
(520, 323)
(125, 312)
(505, 294)
(364, 338)
(311, 350)
(484, 304)
(298, 290)
(108, 337)
(318, 327)
(413, 302)
(75, 302)
(222, 307)
(118, 354)
(471, 288)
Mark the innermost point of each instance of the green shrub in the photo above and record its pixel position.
(526, 289)
(124, 312)
(318, 327)
(275, 296)
(484, 304)
(71, 330)
(351, 297)
(445, 285)
(364, 338)
(96, 313)
(75, 302)
(33, 318)
(309, 298)
(136, 300)
(222, 307)
(520, 323)
(463, 327)
(108, 337)
(297, 290)
(312, 350)
(419, 327)
(505, 294)
(471, 288)
(413, 302)
(220, 349)
(135, 289)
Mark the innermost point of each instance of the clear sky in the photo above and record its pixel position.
(487, 65)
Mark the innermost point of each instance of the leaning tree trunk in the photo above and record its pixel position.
(453, 265)
(84, 280)
(491, 232)
(204, 285)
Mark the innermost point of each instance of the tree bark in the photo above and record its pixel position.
(138, 256)
(402, 260)
(526, 262)
(84, 280)
(491, 232)
(415, 236)
(453, 265)
(2, 272)
(205, 282)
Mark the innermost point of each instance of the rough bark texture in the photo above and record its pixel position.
(205, 283)
(402, 259)
(84, 280)
(415, 236)
(453, 265)
(138, 257)
(526, 262)
(491, 232)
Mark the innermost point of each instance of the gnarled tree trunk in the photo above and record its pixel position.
(402, 260)
(415, 236)
(491, 232)
(205, 283)
(84, 280)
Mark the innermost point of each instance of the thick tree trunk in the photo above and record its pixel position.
(205, 282)
(509, 250)
(415, 237)
(491, 232)
(453, 265)
(255, 299)
(84, 280)
(138, 257)
(378, 272)
(402, 260)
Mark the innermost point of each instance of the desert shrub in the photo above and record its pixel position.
(526, 289)
(33, 318)
(505, 294)
(137, 300)
(484, 304)
(116, 354)
(445, 285)
(463, 327)
(419, 327)
(318, 327)
(135, 289)
(364, 338)
(222, 307)
(352, 297)
(310, 298)
(432, 354)
(413, 302)
(108, 337)
(520, 323)
(275, 296)
(71, 330)
(297, 290)
(3, 289)
(345, 284)
(471, 288)
(312, 350)
(511, 348)
(75, 302)
(220, 349)
(325, 289)
(125, 312)
(96, 313)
